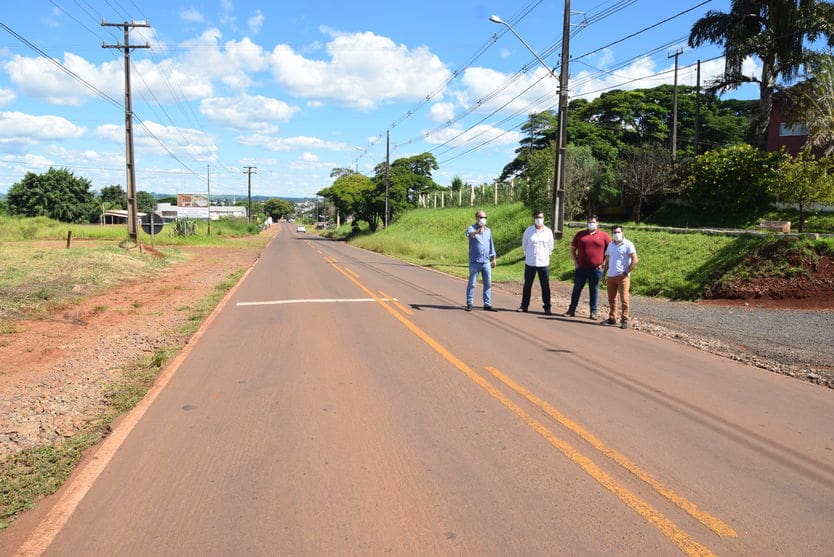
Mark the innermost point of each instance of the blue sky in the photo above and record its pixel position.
(298, 88)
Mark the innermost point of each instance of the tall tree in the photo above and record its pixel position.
(774, 31)
(115, 195)
(646, 172)
(56, 194)
(812, 105)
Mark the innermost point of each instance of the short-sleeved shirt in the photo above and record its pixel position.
(481, 247)
(619, 257)
(590, 248)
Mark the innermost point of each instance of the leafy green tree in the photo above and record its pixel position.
(114, 195)
(278, 208)
(337, 173)
(357, 195)
(734, 180)
(804, 180)
(774, 31)
(145, 202)
(56, 194)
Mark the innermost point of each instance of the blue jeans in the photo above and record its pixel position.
(485, 270)
(581, 275)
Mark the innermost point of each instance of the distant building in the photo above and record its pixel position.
(196, 206)
(780, 134)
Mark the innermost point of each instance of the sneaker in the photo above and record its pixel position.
(489, 308)
(522, 310)
(624, 325)
(594, 315)
(468, 307)
(570, 313)
(610, 321)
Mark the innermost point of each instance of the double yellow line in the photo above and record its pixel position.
(687, 545)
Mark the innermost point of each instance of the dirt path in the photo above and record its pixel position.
(53, 372)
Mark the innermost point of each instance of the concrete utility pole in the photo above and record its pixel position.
(132, 213)
(208, 194)
(677, 53)
(698, 108)
(562, 138)
(387, 172)
(250, 170)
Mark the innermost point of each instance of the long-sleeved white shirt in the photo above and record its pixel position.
(537, 244)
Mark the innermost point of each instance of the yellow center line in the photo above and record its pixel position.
(397, 303)
(686, 544)
(711, 522)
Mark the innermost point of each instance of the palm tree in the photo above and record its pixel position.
(816, 106)
(774, 31)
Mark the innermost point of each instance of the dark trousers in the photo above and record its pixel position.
(544, 280)
(582, 275)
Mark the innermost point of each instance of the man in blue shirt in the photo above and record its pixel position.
(482, 259)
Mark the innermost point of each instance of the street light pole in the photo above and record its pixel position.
(558, 209)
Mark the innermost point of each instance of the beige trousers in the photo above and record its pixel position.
(618, 285)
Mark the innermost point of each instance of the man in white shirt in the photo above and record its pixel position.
(620, 260)
(537, 244)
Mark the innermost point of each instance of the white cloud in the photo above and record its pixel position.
(309, 157)
(246, 112)
(529, 92)
(363, 70)
(7, 96)
(291, 143)
(192, 15)
(232, 63)
(39, 78)
(256, 22)
(442, 112)
(26, 127)
(181, 141)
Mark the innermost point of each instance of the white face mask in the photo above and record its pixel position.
(482, 221)
(539, 222)
(618, 236)
(592, 226)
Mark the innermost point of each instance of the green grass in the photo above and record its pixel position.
(675, 266)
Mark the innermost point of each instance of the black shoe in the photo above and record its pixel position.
(489, 308)
(570, 313)
(547, 312)
(610, 322)
(468, 307)
(624, 325)
(522, 310)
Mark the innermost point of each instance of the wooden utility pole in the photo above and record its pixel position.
(387, 174)
(132, 213)
(250, 170)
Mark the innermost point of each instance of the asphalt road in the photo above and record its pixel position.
(341, 402)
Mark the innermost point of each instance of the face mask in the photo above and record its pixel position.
(618, 236)
(482, 221)
(539, 222)
(592, 226)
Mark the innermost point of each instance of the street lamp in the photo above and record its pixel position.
(558, 214)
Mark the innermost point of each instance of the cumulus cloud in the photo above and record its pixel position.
(362, 70)
(534, 90)
(232, 63)
(39, 78)
(291, 143)
(442, 112)
(6, 96)
(192, 16)
(256, 22)
(246, 112)
(181, 141)
(19, 126)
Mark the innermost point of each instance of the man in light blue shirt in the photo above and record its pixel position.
(482, 259)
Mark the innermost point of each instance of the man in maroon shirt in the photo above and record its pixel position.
(588, 252)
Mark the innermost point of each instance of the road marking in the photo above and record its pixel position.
(403, 308)
(711, 522)
(314, 301)
(654, 517)
(352, 272)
